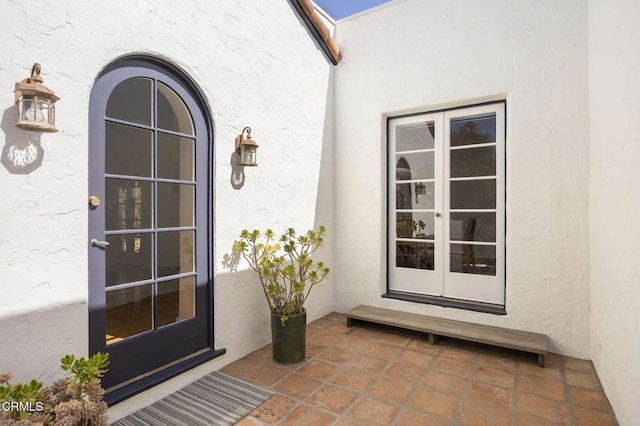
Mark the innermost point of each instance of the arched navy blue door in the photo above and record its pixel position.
(150, 228)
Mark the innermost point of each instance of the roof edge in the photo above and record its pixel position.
(318, 29)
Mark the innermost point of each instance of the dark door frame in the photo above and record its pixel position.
(96, 299)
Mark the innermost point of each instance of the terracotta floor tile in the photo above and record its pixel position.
(391, 389)
(458, 351)
(368, 362)
(409, 417)
(274, 409)
(587, 398)
(297, 386)
(405, 373)
(490, 394)
(585, 417)
(445, 383)
(353, 378)
(578, 364)
(336, 355)
(552, 411)
(415, 358)
(546, 388)
(497, 361)
(424, 346)
(308, 416)
(453, 366)
(396, 339)
(249, 421)
(373, 411)
(433, 402)
(370, 374)
(585, 380)
(241, 367)
(527, 420)
(474, 414)
(494, 376)
(266, 375)
(546, 373)
(384, 350)
(313, 350)
(333, 398)
(265, 353)
(366, 331)
(354, 344)
(317, 369)
(323, 339)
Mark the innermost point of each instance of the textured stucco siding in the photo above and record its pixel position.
(614, 66)
(414, 55)
(255, 64)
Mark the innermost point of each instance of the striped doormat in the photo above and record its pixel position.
(214, 400)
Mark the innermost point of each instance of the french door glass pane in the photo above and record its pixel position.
(414, 255)
(128, 204)
(175, 252)
(415, 225)
(176, 300)
(127, 150)
(172, 112)
(175, 157)
(473, 226)
(473, 194)
(131, 101)
(128, 258)
(175, 205)
(473, 130)
(418, 195)
(473, 259)
(417, 165)
(415, 137)
(468, 162)
(128, 312)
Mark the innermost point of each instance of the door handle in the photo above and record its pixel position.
(101, 244)
(438, 214)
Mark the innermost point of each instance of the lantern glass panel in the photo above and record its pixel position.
(43, 110)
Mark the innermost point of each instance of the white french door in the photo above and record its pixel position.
(446, 204)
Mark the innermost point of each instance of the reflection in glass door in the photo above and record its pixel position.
(446, 209)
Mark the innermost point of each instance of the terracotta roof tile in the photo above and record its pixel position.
(318, 29)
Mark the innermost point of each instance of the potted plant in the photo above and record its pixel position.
(287, 274)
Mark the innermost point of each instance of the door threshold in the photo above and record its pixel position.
(446, 302)
(131, 387)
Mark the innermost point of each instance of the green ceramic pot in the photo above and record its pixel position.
(289, 339)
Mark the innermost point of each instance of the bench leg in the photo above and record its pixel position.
(433, 338)
(541, 360)
(350, 322)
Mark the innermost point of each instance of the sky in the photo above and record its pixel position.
(342, 8)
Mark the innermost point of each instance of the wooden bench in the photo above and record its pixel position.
(503, 337)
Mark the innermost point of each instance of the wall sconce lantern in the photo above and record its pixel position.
(246, 148)
(36, 104)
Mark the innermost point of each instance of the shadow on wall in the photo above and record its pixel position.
(237, 172)
(22, 152)
(33, 341)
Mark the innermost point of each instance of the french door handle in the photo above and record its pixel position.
(101, 244)
(438, 214)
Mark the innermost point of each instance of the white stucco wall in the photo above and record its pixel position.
(415, 55)
(256, 66)
(614, 65)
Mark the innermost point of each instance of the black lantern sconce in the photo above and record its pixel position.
(36, 104)
(246, 148)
